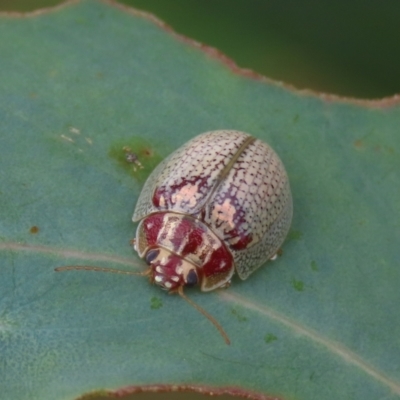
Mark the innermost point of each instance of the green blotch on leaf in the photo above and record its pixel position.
(269, 337)
(294, 235)
(298, 285)
(314, 265)
(143, 157)
(155, 303)
(239, 315)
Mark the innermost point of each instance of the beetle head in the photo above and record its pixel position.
(169, 270)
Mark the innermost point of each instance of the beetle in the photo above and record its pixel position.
(219, 204)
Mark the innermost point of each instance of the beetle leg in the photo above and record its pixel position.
(225, 285)
(201, 310)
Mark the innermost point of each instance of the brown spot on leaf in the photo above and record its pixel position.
(358, 144)
(148, 152)
(34, 229)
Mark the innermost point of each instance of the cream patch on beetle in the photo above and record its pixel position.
(161, 259)
(179, 270)
(187, 195)
(225, 212)
(162, 201)
(234, 240)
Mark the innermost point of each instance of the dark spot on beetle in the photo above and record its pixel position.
(151, 255)
(191, 278)
(34, 229)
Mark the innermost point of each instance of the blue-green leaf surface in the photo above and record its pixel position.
(77, 85)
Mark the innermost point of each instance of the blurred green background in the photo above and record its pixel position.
(345, 47)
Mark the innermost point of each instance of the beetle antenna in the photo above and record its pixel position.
(206, 314)
(100, 269)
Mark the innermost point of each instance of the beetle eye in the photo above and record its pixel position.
(191, 278)
(151, 255)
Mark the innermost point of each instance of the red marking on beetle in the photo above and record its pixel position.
(243, 242)
(181, 232)
(220, 261)
(158, 193)
(189, 241)
(192, 234)
(195, 240)
(153, 224)
(240, 237)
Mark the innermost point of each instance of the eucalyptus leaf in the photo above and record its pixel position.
(83, 82)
